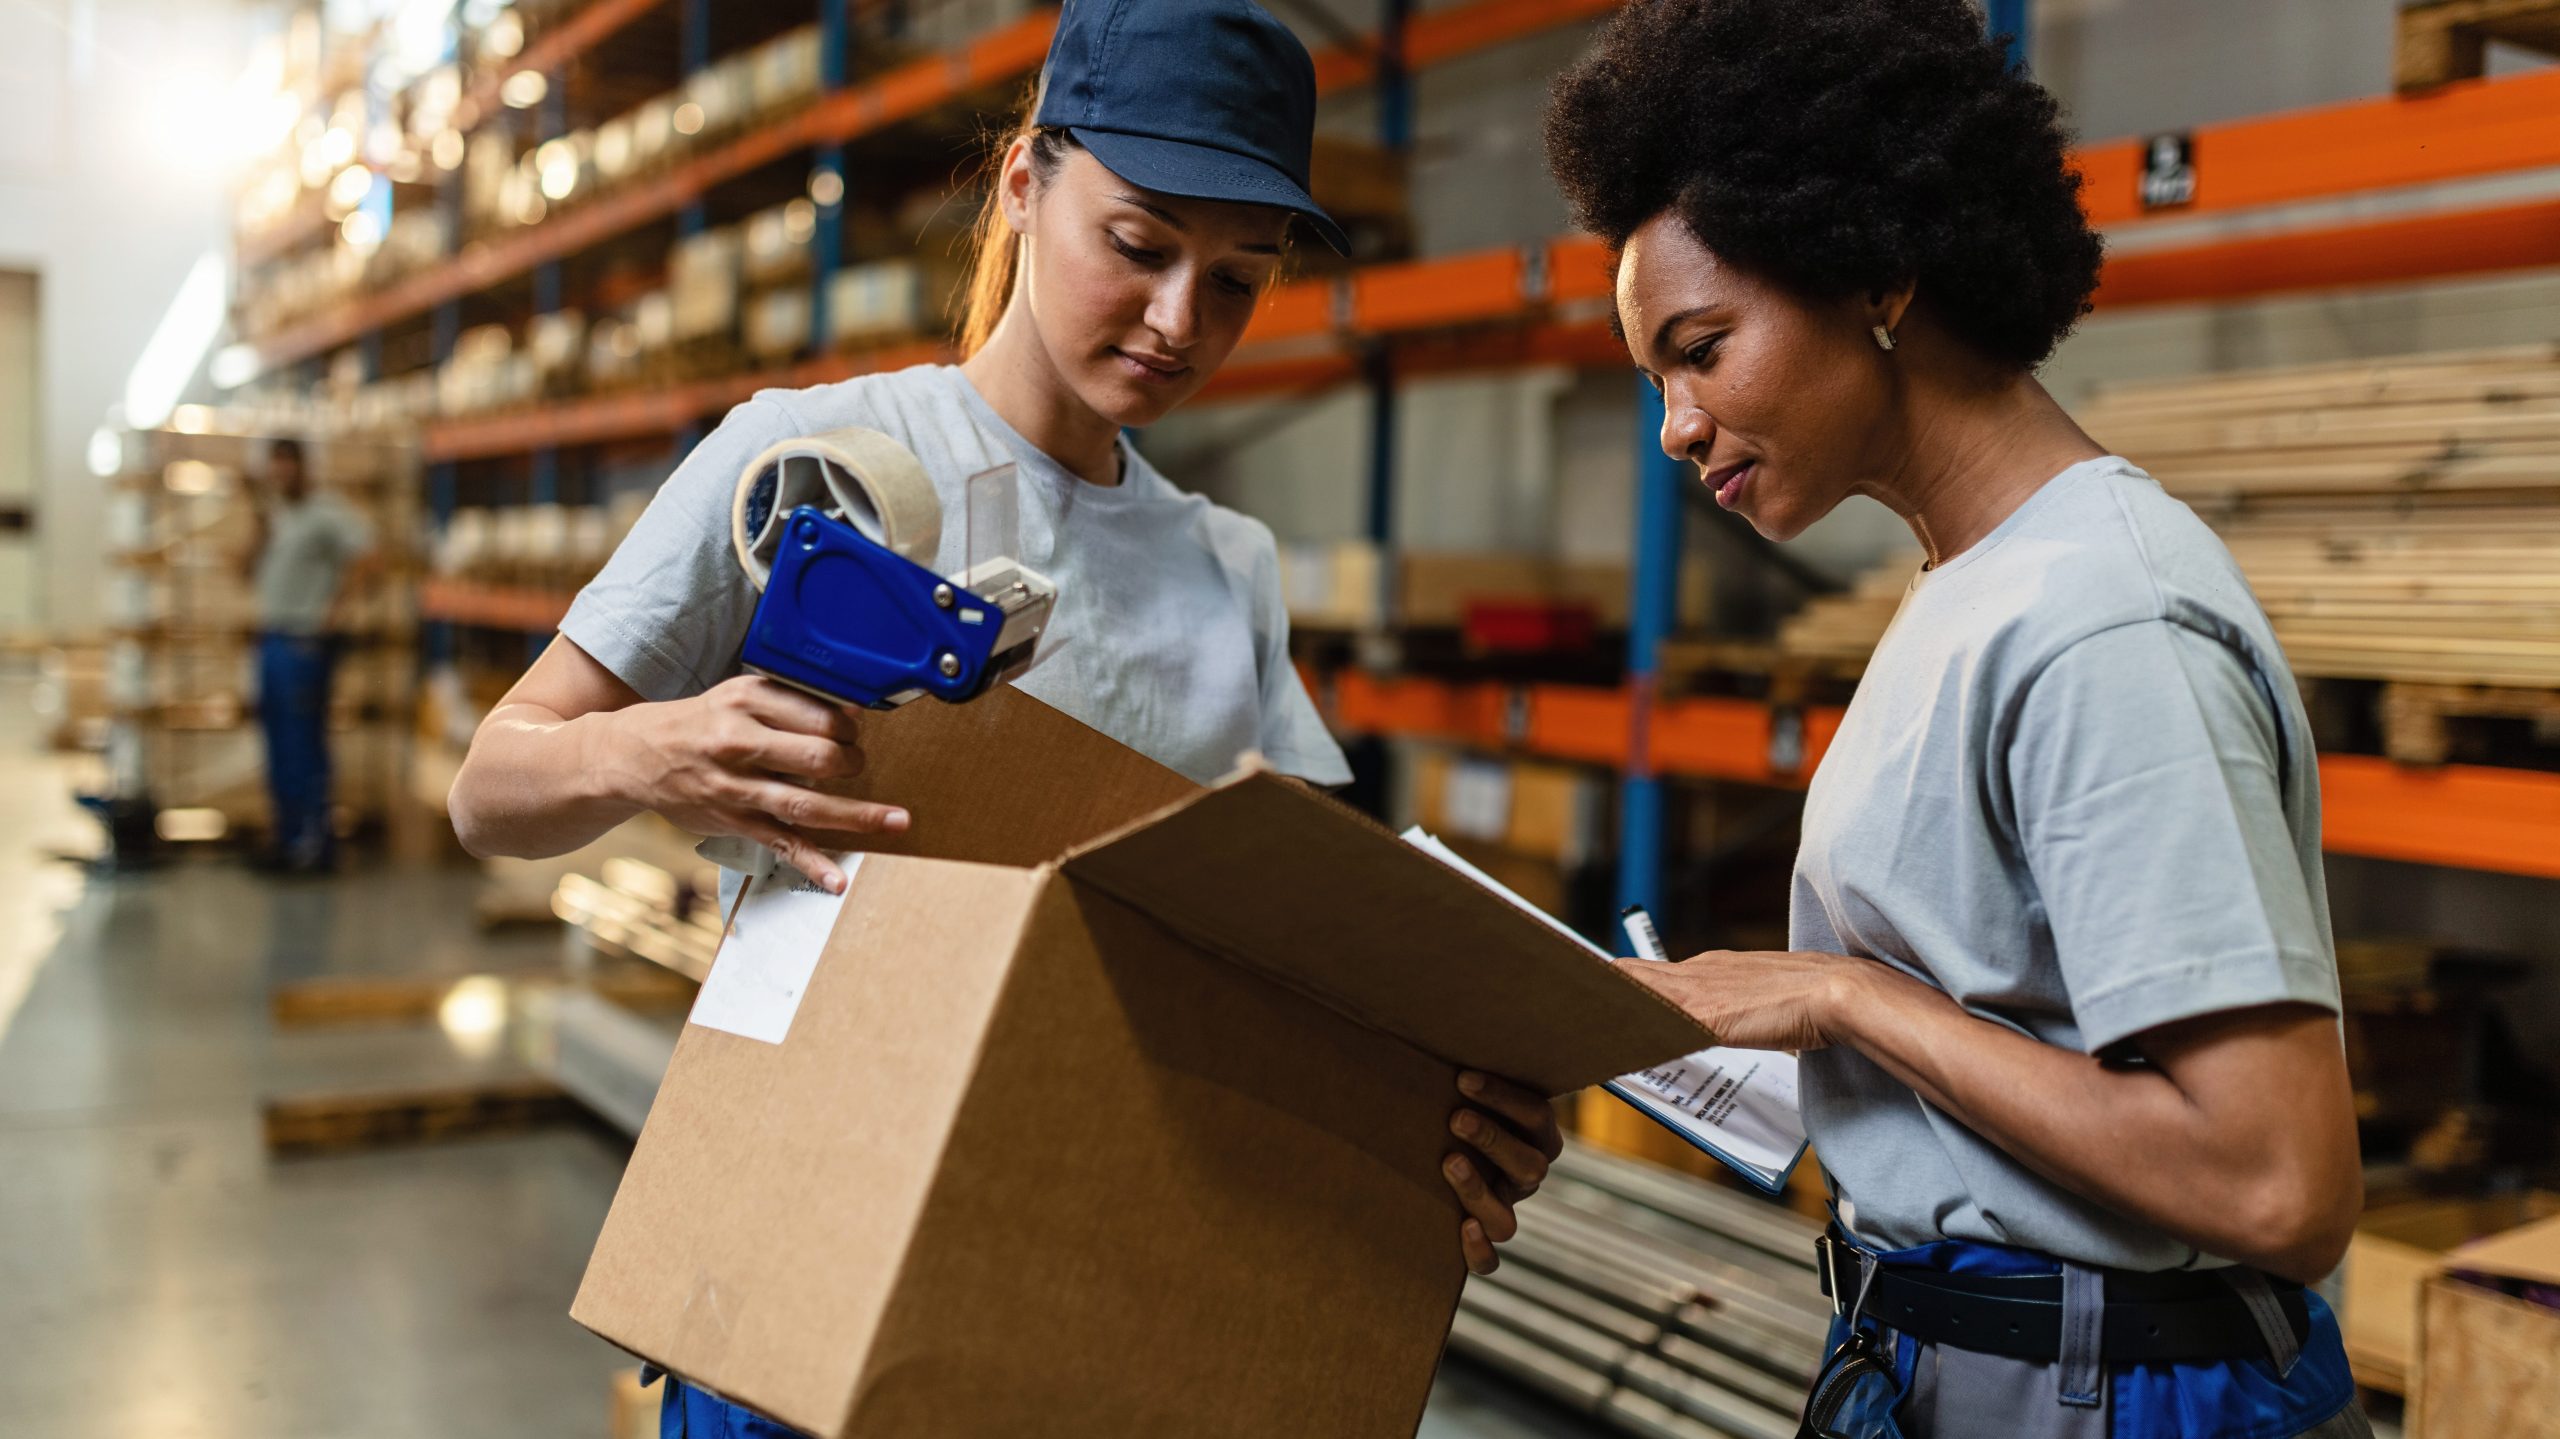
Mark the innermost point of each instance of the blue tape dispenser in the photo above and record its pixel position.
(839, 531)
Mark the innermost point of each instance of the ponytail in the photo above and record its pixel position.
(995, 251)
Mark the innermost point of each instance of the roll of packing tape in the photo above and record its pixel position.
(859, 476)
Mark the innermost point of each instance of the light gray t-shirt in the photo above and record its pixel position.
(2075, 791)
(1170, 636)
(309, 546)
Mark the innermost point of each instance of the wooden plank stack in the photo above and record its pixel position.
(2399, 519)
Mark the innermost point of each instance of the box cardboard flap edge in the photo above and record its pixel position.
(2530, 1252)
(1266, 873)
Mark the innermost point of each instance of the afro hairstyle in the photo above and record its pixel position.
(1836, 147)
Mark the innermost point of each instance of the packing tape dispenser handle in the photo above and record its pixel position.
(863, 477)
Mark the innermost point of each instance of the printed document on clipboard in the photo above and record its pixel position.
(1738, 1105)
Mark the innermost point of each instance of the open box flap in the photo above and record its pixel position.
(1004, 779)
(1266, 873)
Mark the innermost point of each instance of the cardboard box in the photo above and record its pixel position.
(702, 283)
(1333, 585)
(1066, 1135)
(2396, 1249)
(1552, 812)
(2489, 1360)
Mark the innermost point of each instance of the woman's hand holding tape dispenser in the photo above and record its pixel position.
(747, 757)
(754, 759)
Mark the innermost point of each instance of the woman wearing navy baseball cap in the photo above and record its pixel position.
(1137, 216)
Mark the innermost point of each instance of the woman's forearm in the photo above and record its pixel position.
(536, 784)
(2243, 1177)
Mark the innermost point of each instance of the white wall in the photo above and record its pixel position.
(19, 397)
(108, 195)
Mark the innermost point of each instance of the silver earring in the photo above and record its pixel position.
(1884, 338)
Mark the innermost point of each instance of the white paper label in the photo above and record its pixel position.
(770, 951)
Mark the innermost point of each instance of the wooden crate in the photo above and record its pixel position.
(2489, 1353)
(2395, 1250)
(2491, 1368)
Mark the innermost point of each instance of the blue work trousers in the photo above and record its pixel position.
(1937, 1392)
(293, 709)
(685, 1412)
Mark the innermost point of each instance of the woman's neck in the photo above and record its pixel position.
(1973, 456)
(1013, 374)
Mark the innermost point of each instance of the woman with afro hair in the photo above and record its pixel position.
(2060, 964)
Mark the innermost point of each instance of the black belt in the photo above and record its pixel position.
(2177, 1316)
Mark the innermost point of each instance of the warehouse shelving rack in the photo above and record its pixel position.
(1544, 303)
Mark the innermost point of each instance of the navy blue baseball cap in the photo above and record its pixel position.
(1212, 99)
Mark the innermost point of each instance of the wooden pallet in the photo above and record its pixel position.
(2444, 40)
(2419, 720)
(327, 1123)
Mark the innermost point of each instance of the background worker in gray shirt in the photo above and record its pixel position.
(310, 555)
(2060, 962)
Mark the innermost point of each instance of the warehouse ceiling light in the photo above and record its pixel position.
(178, 346)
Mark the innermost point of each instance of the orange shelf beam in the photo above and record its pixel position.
(1496, 293)
(505, 607)
(2462, 242)
(2463, 817)
(554, 48)
(2458, 132)
(641, 414)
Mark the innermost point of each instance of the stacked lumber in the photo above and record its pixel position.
(2458, 423)
(2399, 520)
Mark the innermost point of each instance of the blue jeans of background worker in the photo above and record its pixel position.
(293, 709)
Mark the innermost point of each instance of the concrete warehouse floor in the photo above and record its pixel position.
(160, 1276)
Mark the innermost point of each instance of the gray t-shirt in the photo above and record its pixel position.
(309, 546)
(1170, 636)
(2075, 791)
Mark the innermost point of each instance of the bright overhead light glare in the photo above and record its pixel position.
(233, 366)
(106, 452)
(447, 150)
(179, 344)
(192, 419)
(827, 188)
(361, 230)
(688, 118)
(524, 89)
